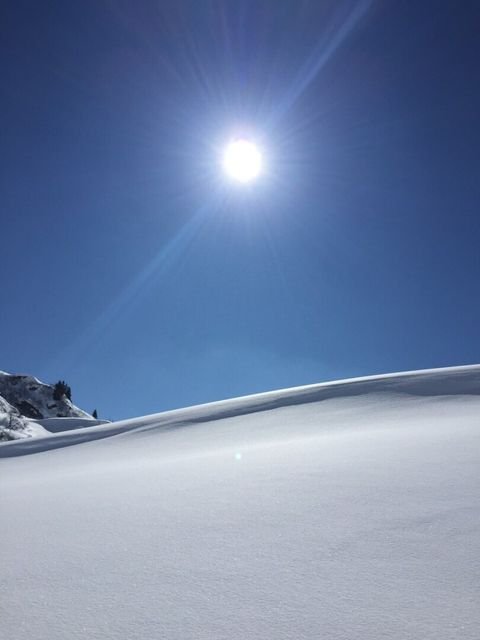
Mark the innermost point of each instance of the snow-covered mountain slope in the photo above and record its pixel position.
(25, 403)
(34, 399)
(14, 426)
(341, 511)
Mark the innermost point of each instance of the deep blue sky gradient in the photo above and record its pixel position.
(131, 268)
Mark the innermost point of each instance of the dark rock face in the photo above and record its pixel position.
(28, 410)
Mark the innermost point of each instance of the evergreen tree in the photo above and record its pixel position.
(61, 389)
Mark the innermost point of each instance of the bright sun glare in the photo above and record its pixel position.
(242, 160)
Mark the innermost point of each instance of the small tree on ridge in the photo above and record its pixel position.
(61, 389)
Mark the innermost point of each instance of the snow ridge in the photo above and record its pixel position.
(449, 381)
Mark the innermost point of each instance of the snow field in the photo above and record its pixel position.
(355, 515)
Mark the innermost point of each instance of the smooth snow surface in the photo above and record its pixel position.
(58, 425)
(340, 511)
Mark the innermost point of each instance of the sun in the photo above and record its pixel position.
(242, 160)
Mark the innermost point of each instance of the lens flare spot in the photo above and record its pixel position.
(242, 160)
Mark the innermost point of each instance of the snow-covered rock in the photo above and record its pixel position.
(14, 426)
(25, 401)
(34, 399)
(340, 511)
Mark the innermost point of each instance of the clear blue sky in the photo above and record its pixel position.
(131, 268)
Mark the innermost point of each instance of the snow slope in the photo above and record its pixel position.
(341, 511)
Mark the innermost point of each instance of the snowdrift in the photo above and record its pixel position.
(343, 510)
